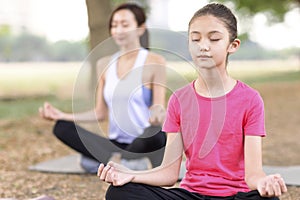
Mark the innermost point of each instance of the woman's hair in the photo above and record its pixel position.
(140, 18)
(222, 13)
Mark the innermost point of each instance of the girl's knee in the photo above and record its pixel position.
(127, 191)
(113, 192)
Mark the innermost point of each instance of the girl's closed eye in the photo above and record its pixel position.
(195, 40)
(215, 39)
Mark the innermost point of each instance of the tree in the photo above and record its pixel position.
(5, 42)
(275, 9)
(98, 16)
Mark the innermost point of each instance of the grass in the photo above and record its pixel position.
(26, 86)
(35, 79)
(24, 107)
(274, 77)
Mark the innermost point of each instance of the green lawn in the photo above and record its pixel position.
(25, 86)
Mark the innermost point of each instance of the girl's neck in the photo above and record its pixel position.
(214, 83)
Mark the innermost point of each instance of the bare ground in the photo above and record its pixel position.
(29, 141)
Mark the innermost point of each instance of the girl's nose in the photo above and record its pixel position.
(203, 45)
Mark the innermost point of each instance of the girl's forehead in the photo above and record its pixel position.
(207, 23)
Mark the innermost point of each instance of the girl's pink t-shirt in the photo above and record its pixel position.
(213, 131)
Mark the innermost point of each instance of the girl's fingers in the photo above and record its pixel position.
(100, 168)
(282, 184)
(109, 178)
(104, 173)
(269, 189)
(276, 188)
(263, 191)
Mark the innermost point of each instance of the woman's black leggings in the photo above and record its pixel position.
(150, 144)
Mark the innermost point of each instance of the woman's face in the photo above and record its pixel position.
(208, 42)
(124, 28)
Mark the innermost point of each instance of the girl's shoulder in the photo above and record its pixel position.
(245, 88)
(185, 91)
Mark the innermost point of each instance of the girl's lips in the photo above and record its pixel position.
(204, 56)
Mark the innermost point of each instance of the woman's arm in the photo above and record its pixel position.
(268, 186)
(164, 175)
(158, 85)
(99, 113)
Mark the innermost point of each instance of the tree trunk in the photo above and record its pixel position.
(98, 15)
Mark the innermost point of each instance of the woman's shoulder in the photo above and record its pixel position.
(102, 65)
(155, 58)
(104, 60)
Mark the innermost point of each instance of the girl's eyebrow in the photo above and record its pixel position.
(213, 32)
(210, 33)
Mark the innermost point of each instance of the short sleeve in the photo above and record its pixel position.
(255, 120)
(172, 121)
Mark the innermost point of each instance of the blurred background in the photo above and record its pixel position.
(45, 43)
(41, 30)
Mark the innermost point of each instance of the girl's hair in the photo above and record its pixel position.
(140, 18)
(222, 13)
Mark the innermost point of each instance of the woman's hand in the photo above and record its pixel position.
(50, 112)
(271, 185)
(115, 174)
(157, 115)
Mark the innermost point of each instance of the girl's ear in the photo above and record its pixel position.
(234, 46)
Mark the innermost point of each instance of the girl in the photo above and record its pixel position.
(129, 89)
(217, 121)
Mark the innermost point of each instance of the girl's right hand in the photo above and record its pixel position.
(114, 173)
(50, 112)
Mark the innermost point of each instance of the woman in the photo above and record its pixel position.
(130, 87)
(216, 120)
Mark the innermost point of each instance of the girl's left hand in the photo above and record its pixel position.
(271, 185)
(115, 174)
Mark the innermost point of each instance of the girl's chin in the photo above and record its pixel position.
(202, 66)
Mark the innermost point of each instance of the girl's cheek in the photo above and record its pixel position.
(193, 47)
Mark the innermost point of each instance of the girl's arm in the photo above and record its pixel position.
(164, 175)
(256, 179)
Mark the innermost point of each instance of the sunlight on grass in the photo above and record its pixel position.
(248, 71)
(245, 69)
(25, 86)
(25, 79)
